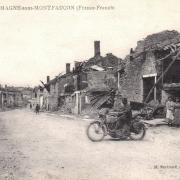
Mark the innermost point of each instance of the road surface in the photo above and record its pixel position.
(50, 147)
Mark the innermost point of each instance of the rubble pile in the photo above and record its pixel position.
(65, 108)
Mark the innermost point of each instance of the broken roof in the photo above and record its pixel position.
(158, 41)
(172, 86)
(109, 60)
(97, 68)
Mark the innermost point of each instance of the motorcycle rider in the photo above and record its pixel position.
(127, 115)
(124, 112)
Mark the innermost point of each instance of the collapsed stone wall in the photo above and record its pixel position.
(62, 82)
(158, 41)
(99, 80)
(67, 104)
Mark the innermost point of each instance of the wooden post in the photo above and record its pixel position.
(155, 89)
(0, 99)
(118, 79)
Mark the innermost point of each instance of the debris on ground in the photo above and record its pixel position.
(155, 122)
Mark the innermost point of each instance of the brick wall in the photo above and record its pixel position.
(131, 82)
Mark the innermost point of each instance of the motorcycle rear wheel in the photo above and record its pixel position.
(95, 131)
(138, 132)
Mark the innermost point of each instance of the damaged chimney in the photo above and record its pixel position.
(97, 48)
(67, 68)
(48, 79)
(131, 54)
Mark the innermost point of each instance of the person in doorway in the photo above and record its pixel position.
(30, 106)
(170, 108)
(37, 108)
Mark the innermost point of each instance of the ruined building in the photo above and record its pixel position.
(95, 77)
(89, 78)
(150, 73)
(152, 69)
(12, 97)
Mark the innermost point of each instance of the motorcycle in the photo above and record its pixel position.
(111, 125)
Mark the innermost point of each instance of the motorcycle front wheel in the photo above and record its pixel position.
(95, 131)
(138, 131)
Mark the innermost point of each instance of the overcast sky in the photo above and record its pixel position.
(34, 44)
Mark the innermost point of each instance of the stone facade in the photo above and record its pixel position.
(132, 80)
(53, 95)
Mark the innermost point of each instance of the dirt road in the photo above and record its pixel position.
(49, 147)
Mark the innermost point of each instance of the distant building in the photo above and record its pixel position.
(12, 97)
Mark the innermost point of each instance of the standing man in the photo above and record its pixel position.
(37, 108)
(170, 108)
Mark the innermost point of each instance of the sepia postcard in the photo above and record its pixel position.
(89, 90)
